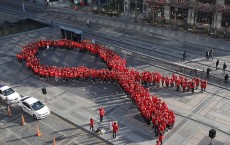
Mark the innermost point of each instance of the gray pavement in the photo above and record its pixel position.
(12, 133)
(141, 39)
(79, 101)
(196, 114)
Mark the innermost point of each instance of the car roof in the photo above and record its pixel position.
(30, 100)
(4, 87)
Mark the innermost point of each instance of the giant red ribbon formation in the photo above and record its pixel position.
(151, 107)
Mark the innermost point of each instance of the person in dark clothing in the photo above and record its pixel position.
(184, 55)
(211, 54)
(217, 63)
(224, 67)
(207, 55)
(208, 71)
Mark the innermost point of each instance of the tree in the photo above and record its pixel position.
(151, 4)
(195, 6)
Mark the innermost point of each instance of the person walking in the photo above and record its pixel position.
(102, 113)
(115, 129)
(217, 63)
(91, 124)
(207, 55)
(211, 54)
(161, 136)
(224, 67)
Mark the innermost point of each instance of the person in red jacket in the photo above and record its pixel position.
(115, 129)
(158, 143)
(184, 86)
(91, 124)
(102, 113)
(161, 136)
(205, 85)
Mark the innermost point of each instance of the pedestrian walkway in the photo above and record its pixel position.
(79, 101)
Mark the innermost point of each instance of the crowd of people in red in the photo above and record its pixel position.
(134, 83)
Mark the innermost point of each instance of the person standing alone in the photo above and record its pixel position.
(224, 67)
(115, 129)
(217, 63)
(102, 113)
(91, 124)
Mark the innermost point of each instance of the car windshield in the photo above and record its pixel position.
(8, 92)
(37, 105)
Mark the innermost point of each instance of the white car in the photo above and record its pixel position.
(34, 107)
(12, 96)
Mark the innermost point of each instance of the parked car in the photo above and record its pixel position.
(34, 107)
(12, 96)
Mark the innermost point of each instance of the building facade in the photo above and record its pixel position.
(209, 14)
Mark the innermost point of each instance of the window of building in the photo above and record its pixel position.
(204, 17)
(181, 13)
(225, 20)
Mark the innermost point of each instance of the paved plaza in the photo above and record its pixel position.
(79, 101)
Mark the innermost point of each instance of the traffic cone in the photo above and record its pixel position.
(54, 141)
(9, 112)
(23, 121)
(38, 132)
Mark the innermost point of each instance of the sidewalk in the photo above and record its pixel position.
(164, 31)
